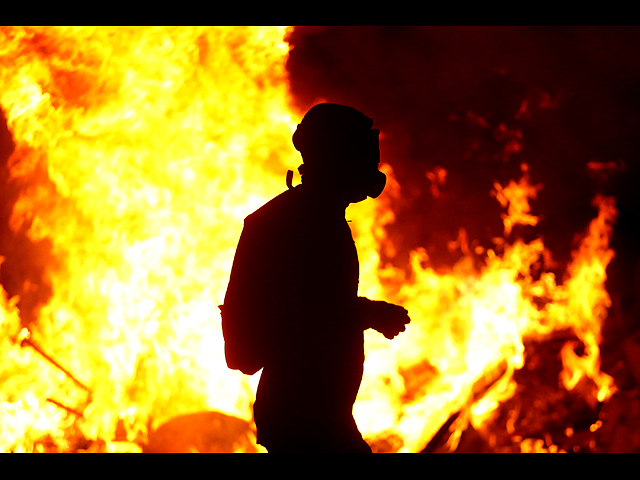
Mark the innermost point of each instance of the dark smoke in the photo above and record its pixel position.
(440, 96)
(23, 260)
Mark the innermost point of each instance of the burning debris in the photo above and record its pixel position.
(135, 154)
(25, 339)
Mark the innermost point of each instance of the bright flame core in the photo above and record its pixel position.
(141, 150)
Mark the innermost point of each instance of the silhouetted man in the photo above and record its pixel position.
(292, 305)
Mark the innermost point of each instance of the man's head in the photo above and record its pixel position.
(340, 151)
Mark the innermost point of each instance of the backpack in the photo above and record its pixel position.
(241, 340)
(249, 314)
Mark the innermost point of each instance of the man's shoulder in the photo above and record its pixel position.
(280, 208)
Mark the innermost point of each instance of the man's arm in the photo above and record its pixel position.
(386, 318)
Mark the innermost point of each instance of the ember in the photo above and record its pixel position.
(135, 154)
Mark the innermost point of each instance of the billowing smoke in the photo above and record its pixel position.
(23, 261)
(479, 101)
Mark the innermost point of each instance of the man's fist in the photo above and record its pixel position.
(386, 318)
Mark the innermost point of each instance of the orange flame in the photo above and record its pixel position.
(142, 150)
(472, 322)
(154, 144)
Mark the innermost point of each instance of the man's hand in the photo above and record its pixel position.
(386, 318)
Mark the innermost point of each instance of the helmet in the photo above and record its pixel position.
(338, 138)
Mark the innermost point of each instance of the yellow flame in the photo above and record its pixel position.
(141, 151)
(469, 326)
(156, 143)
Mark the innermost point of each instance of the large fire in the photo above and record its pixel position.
(138, 153)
